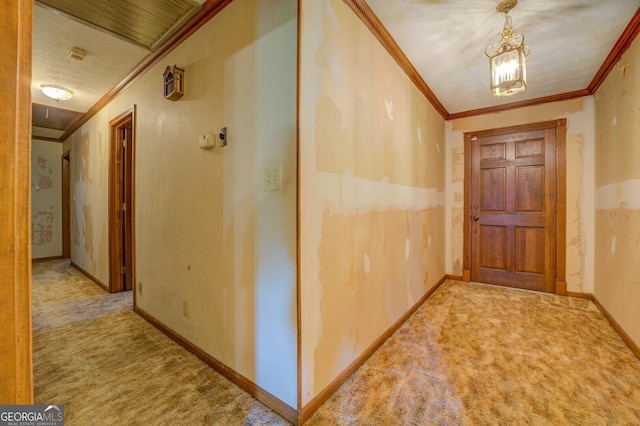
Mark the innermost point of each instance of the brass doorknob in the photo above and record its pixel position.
(476, 217)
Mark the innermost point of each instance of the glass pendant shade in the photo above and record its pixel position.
(508, 57)
(508, 71)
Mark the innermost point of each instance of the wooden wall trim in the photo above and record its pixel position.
(366, 15)
(307, 411)
(210, 9)
(46, 259)
(579, 295)
(520, 104)
(46, 139)
(623, 334)
(298, 214)
(16, 372)
(88, 275)
(561, 206)
(624, 41)
(238, 379)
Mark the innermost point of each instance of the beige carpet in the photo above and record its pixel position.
(473, 354)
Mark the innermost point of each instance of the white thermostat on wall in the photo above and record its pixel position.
(207, 141)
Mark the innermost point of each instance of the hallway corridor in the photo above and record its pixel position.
(473, 354)
(108, 366)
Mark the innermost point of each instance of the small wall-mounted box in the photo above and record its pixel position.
(173, 83)
(207, 141)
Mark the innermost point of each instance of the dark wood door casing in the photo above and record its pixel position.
(121, 202)
(514, 229)
(66, 205)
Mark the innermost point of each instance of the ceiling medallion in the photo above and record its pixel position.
(508, 60)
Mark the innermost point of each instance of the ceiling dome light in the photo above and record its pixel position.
(56, 92)
(508, 63)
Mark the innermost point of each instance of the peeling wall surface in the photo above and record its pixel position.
(215, 253)
(617, 264)
(371, 196)
(46, 199)
(580, 181)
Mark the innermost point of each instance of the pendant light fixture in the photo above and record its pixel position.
(508, 57)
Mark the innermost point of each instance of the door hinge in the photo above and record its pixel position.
(475, 138)
(123, 143)
(123, 207)
(123, 270)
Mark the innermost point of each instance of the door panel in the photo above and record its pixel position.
(512, 204)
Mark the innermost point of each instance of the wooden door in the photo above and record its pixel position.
(512, 205)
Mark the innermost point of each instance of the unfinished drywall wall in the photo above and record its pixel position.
(617, 265)
(371, 192)
(46, 199)
(580, 180)
(215, 253)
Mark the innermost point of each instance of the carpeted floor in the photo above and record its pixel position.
(472, 355)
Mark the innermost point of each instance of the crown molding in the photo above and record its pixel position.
(210, 9)
(366, 15)
(624, 41)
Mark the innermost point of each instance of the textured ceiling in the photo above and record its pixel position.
(443, 39)
(147, 23)
(445, 42)
(108, 60)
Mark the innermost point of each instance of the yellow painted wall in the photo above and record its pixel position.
(617, 264)
(371, 192)
(206, 232)
(46, 199)
(580, 180)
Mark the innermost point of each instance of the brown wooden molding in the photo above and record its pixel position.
(623, 334)
(368, 17)
(579, 295)
(520, 104)
(91, 277)
(16, 366)
(46, 259)
(210, 9)
(364, 12)
(46, 138)
(561, 288)
(307, 411)
(298, 210)
(624, 41)
(454, 277)
(242, 382)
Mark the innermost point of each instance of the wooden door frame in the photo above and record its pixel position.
(561, 194)
(66, 205)
(115, 199)
(16, 374)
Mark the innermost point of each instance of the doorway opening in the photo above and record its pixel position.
(515, 200)
(66, 205)
(121, 208)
